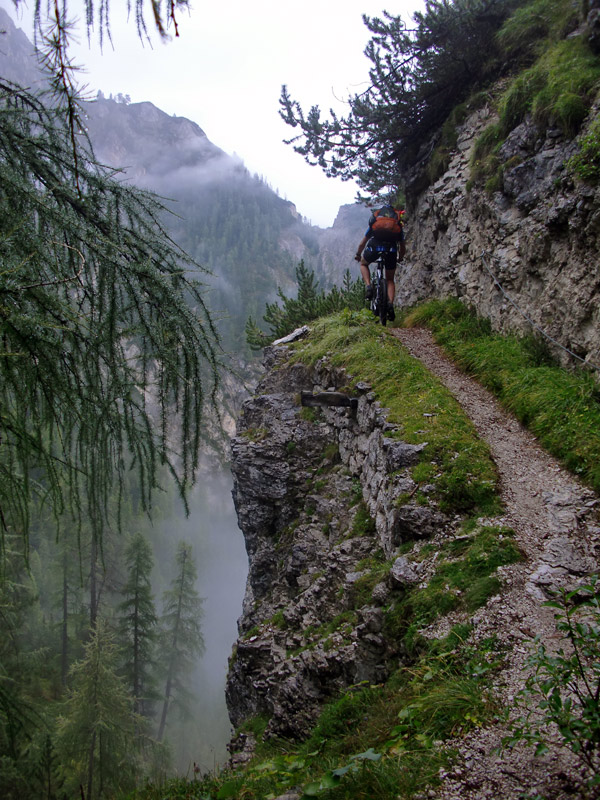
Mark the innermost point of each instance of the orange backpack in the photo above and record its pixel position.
(386, 224)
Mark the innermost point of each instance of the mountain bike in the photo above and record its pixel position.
(379, 301)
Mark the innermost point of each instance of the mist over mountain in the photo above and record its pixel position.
(230, 221)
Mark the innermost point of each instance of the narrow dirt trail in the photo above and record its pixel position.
(556, 524)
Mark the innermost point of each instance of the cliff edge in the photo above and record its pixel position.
(361, 569)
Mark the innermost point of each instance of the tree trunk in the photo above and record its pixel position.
(136, 653)
(90, 783)
(165, 708)
(93, 584)
(64, 660)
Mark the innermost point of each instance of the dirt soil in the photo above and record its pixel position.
(557, 527)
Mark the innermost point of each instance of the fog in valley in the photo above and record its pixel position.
(200, 737)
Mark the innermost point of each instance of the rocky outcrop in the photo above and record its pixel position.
(324, 501)
(524, 256)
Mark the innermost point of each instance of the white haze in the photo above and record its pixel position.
(225, 72)
(220, 556)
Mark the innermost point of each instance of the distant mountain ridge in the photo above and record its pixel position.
(169, 142)
(230, 221)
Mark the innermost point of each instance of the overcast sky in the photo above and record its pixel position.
(225, 72)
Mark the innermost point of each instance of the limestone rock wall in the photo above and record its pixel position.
(321, 500)
(539, 235)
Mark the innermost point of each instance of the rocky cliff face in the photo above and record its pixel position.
(18, 62)
(321, 499)
(337, 245)
(152, 146)
(538, 236)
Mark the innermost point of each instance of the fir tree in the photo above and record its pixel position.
(310, 303)
(96, 733)
(417, 76)
(182, 640)
(138, 623)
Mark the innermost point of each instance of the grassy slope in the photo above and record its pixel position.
(554, 81)
(384, 741)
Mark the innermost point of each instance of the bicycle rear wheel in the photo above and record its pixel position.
(382, 298)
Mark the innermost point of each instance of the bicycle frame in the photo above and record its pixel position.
(379, 302)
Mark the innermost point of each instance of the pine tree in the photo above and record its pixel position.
(138, 623)
(310, 303)
(418, 74)
(182, 639)
(96, 733)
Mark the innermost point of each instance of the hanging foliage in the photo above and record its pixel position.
(107, 350)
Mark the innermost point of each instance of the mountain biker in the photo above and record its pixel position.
(385, 234)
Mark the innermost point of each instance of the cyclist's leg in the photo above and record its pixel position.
(391, 286)
(368, 256)
(390, 271)
(382, 301)
(365, 272)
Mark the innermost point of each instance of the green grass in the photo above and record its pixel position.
(556, 90)
(560, 407)
(371, 743)
(555, 86)
(586, 163)
(375, 571)
(464, 579)
(362, 524)
(419, 405)
(526, 33)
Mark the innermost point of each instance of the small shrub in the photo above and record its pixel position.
(331, 452)
(586, 163)
(309, 414)
(356, 492)
(255, 434)
(563, 691)
(363, 524)
(361, 591)
(278, 620)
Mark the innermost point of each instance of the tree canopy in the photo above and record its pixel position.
(417, 75)
(311, 302)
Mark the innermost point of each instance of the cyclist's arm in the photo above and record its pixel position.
(360, 248)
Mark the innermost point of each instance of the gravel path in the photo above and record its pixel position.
(556, 523)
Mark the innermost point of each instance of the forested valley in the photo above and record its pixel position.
(120, 579)
(117, 619)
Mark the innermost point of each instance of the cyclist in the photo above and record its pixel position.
(385, 234)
